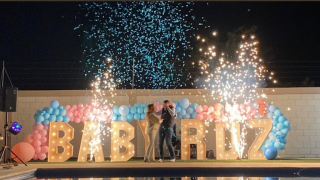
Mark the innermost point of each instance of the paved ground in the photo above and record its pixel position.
(32, 167)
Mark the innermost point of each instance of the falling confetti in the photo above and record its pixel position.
(146, 40)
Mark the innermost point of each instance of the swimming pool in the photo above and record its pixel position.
(191, 173)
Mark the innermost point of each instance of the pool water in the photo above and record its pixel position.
(188, 178)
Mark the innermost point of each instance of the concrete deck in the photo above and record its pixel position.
(29, 170)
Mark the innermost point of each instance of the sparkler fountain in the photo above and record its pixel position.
(103, 82)
(234, 81)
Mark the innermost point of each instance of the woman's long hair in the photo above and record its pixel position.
(150, 109)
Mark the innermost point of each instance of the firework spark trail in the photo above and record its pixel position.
(234, 81)
(101, 107)
(147, 39)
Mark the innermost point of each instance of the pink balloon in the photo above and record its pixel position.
(46, 127)
(43, 140)
(204, 108)
(199, 109)
(35, 132)
(106, 107)
(37, 149)
(74, 106)
(35, 157)
(42, 156)
(80, 106)
(205, 116)
(69, 114)
(77, 120)
(67, 107)
(75, 113)
(84, 119)
(39, 127)
(173, 104)
(44, 149)
(37, 136)
(80, 110)
(36, 143)
(210, 109)
(28, 138)
(34, 127)
(43, 132)
(200, 117)
(72, 119)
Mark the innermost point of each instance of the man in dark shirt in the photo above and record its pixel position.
(166, 129)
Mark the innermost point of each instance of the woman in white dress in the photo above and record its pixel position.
(153, 123)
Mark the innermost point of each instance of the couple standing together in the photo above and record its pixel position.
(165, 131)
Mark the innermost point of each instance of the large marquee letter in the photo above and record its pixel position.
(265, 126)
(55, 141)
(90, 133)
(142, 125)
(187, 138)
(221, 151)
(117, 141)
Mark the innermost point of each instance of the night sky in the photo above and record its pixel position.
(42, 50)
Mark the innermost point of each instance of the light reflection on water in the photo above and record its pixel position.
(190, 178)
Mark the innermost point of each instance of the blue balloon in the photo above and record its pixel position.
(257, 116)
(133, 110)
(277, 112)
(183, 112)
(46, 122)
(271, 134)
(137, 117)
(59, 118)
(145, 109)
(66, 119)
(282, 146)
(63, 112)
(286, 123)
(124, 110)
(123, 118)
(45, 109)
(274, 123)
(255, 105)
(50, 110)
(270, 153)
(40, 118)
(113, 117)
(140, 110)
(136, 105)
(129, 120)
(143, 105)
(270, 178)
(190, 110)
(130, 117)
(270, 116)
(186, 116)
(285, 130)
(46, 116)
(194, 115)
(56, 112)
(118, 118)
(262, 147)
(280, 126)
(60, 107)
(277, 145)
(281, 119)
(272, 108)
(179, 116)
(184, 103)
(54, 104)
(53, 118)
(283, 141)
(39, 112)
(178, 109)
(194, 105)
(116, 110)
(142, 116)
(35, 116)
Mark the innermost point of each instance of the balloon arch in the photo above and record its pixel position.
(36, 144)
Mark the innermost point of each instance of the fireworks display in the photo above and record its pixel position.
(234, 81)
(146, 40)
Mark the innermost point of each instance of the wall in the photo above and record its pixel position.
(304, 114)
